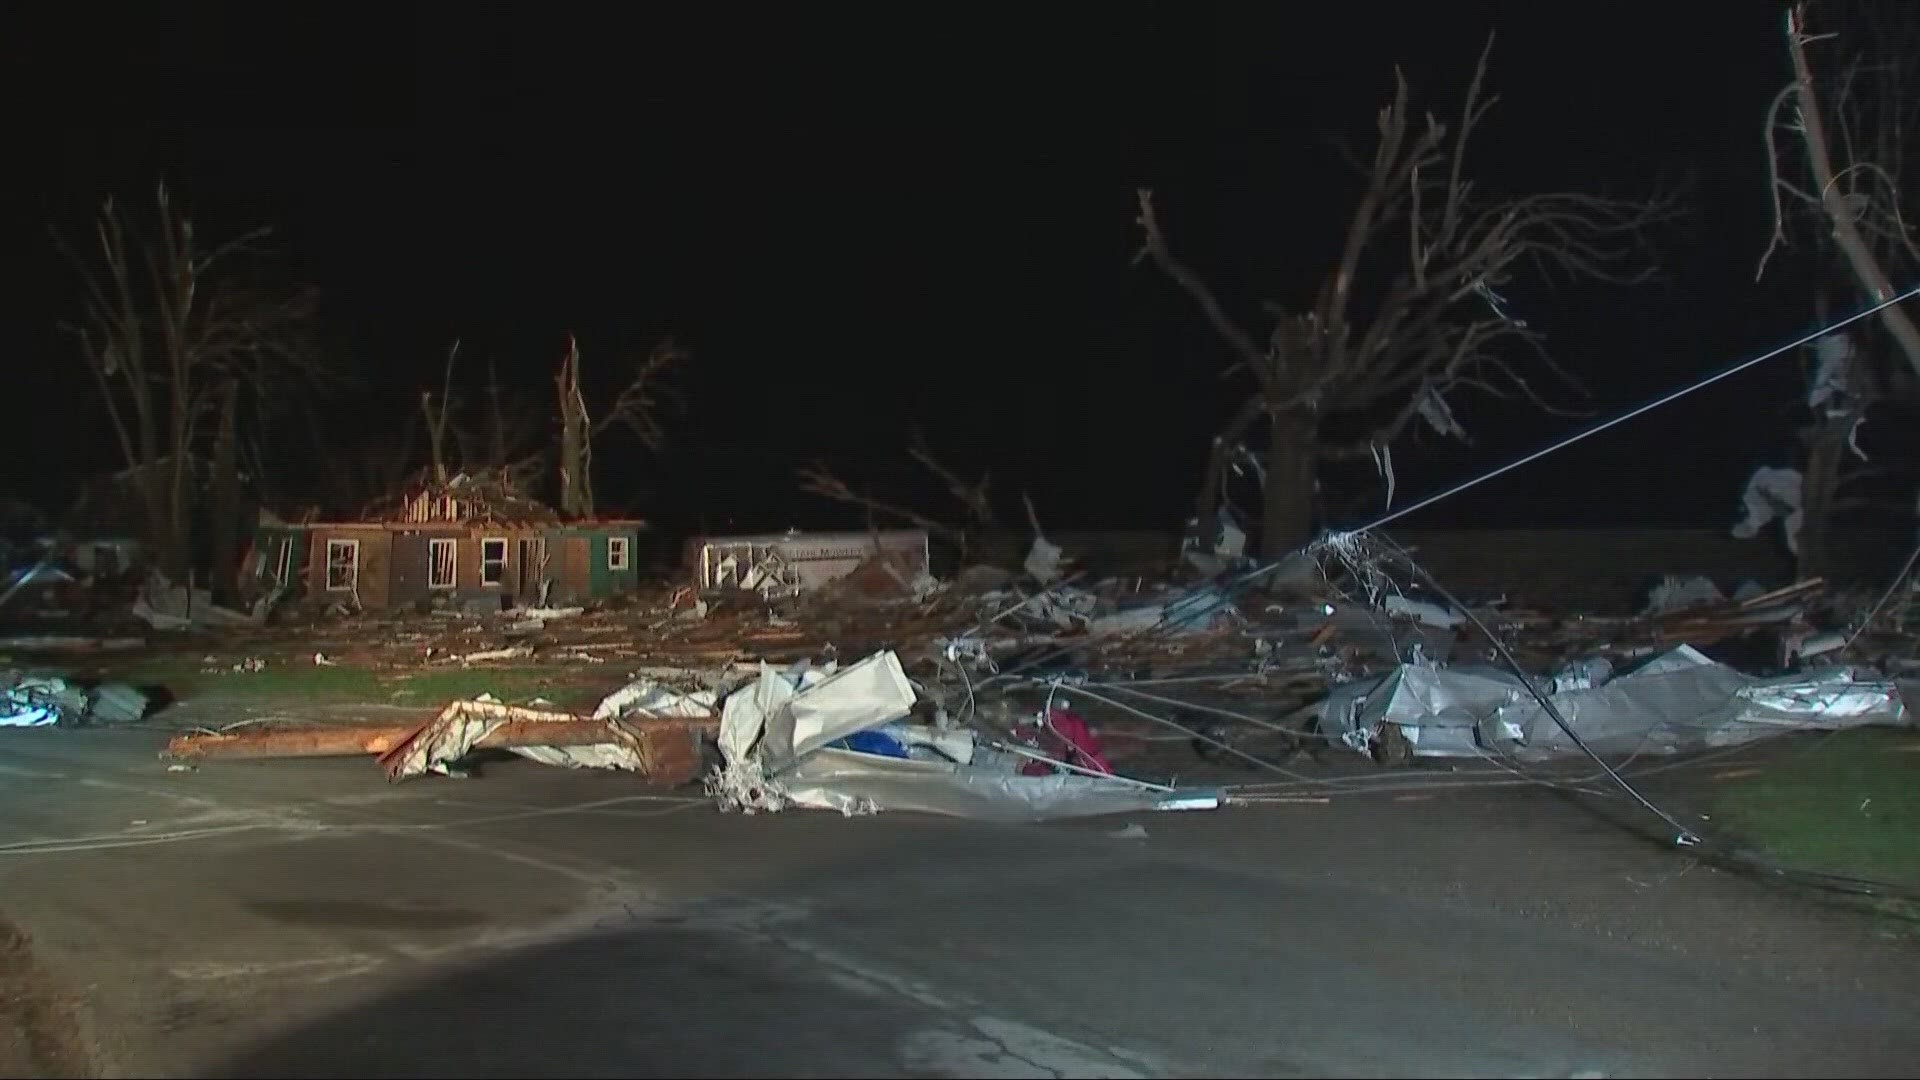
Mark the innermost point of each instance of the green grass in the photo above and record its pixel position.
(185, 677)
(1847, 803)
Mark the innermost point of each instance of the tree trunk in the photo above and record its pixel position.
(225, 521)
(576, 487)
(179, 546)
(436, 434)
(1826, 441)
(574, 500)
(1287, 519)
(151, 480)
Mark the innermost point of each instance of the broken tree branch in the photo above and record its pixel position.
(817, 480)
(1841, 216)
(972, 496)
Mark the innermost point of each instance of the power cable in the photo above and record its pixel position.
(1234, 585)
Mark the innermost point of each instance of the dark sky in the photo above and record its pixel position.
(860, 220)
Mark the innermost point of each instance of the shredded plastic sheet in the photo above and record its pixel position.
(1678, 701)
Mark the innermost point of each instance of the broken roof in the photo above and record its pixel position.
(464, 498)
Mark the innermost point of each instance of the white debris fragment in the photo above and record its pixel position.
(1424, 612)
(1043, 561)
(1676, 593)
(1773, 493)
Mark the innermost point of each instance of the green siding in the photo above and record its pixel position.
(603, 580)
(606, 580)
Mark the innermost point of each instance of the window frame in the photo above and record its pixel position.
(351, 544)
(452, 545)
(624, 545)
(283, 563)
(499, 565)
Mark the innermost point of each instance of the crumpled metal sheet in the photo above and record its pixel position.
(646, 697)
(855, 783)
(1677, 701)
(775, 736)
(855, 698)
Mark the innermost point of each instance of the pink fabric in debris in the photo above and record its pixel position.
(1068, 739)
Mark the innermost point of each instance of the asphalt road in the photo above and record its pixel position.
(307, 919)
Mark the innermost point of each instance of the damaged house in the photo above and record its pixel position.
(465, 543)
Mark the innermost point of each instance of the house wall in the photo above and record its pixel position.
(602, 578)
(408, 581)
(376, 563)
(580, 554)
(266, 552)
(412, 564)
(470, 551)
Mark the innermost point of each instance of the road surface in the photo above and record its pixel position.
(308, 918)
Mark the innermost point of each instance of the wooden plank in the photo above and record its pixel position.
(340, 740)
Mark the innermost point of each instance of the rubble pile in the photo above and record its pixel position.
(1024, 695)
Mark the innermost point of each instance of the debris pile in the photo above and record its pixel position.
(44, 701)
(1050, 692)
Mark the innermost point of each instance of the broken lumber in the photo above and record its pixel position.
(672, 743)
(338, 740)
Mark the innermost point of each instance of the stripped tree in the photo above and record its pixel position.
(637, 407)
(1839, 146)
(1408, 313)
(504, 441)
(178, 337)
(439, 412)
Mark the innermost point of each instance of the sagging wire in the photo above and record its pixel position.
(1369, 783)
(45, 561)
(1241, 581)
(1684, 836)
(1014, 748)
(1209, 740)
(1664, 399)
(1874, 613)
(1270, 725)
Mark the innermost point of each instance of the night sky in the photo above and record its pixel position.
(859, 221)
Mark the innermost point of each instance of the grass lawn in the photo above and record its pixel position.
(1846, 803)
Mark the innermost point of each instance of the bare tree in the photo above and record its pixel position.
(439, 415)
(637, 407)
(1838, 150)
(1409, 311)
(817, 479)
(172, 328)
(517, 437)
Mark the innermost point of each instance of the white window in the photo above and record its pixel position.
(493, 561)
(283, 566)
(616, 553)
(441, 557)
(343, 565)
